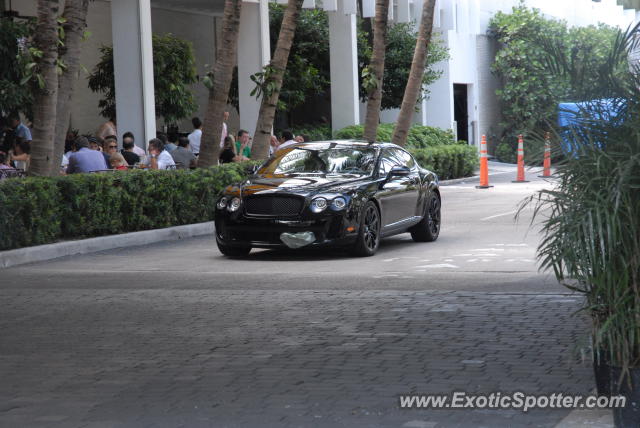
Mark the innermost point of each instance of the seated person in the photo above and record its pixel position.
(118, 162)
(243, 145)
(127, 152)
(228, 155)
(20, 155)
(183, 156)
(83, 159)
(159, 158)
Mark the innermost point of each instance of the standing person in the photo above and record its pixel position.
(195, 136)
(243, 145)
(159, 157)
(127, 151)
(107, 128)
(83, 159)
(287, 136)
(128, 136)
(225, 131)
(183, 156)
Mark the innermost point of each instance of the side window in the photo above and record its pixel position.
(386, 163)
(403, 158)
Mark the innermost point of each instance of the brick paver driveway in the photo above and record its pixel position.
(175, 335)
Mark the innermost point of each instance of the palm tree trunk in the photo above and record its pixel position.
(269, 102)
(45, 99)
(414, 84)
(372, 117)
(222, 77)
(75, 14)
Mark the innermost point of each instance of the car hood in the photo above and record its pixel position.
(301, 184)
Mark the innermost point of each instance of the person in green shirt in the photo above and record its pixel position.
(243, 144)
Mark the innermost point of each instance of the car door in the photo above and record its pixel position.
(398, 194)
(409, 200)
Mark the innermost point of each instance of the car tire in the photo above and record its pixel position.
(428, 229)
(368, 239)
(233, 251)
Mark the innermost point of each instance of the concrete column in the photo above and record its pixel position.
(253, 54)
(133, 69)
(343, 63)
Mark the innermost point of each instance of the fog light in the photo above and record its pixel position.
(351, 229)
(297, 240)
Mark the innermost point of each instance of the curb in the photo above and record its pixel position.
(41, 253)
(473, 177)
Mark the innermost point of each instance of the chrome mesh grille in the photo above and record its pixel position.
(273, 205)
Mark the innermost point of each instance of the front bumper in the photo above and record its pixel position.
(241, 230)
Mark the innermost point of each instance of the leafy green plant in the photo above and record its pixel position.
(16, 68)
(419, 136)
(40, 210)
(173, 73)
(531, 89)
(401, 42)
(448, 161)
(591, 232)
(314, 132)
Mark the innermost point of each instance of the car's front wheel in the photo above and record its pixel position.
(369, 235)
(233, 251)
(428, 229)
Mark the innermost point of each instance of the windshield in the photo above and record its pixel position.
(325, 160)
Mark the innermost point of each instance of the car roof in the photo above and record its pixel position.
(351, 143)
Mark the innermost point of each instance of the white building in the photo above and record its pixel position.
(463, 99)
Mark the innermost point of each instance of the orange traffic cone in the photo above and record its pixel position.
(547, 156)
(520, 177)
(484, 165)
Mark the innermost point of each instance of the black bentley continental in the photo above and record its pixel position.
(346, 194)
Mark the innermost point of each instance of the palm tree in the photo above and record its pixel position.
(46, 96)
(75, 21)
(221, 82)
(414, 84)
(272, 82)
(376, 68)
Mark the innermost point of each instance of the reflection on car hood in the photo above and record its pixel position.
(301, 184)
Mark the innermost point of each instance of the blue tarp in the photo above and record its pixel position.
(575, 119)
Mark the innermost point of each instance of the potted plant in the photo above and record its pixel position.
(590, 218)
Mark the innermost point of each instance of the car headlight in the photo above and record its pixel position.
(339, 203)
(222, 203)
(234, 205)
(318, 205)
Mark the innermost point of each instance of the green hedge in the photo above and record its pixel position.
(419, 136)
(314, 132)
(38, 210)
(448, 162)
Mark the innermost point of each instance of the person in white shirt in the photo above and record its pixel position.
(195, 136)
(159, 157)
(287, 136)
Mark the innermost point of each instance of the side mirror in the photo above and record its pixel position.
(399, 171)
(251, 170)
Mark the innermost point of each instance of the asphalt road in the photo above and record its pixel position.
(174, 334)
